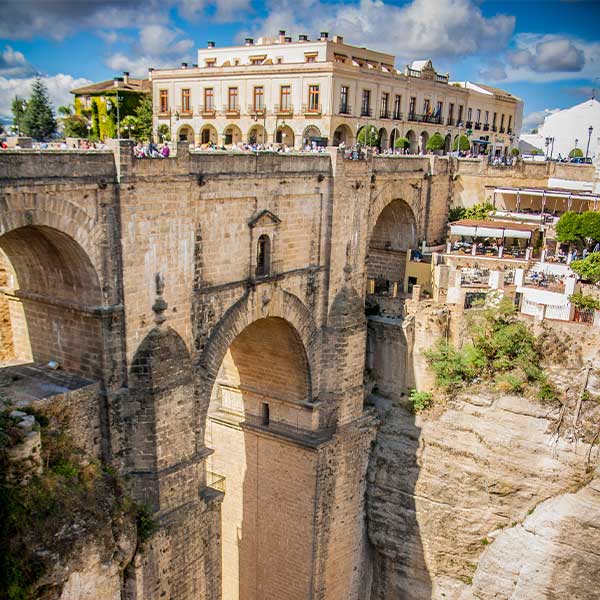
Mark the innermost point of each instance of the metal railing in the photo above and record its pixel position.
(384, 114)
(345, 109)
(477, 125)
(311, 110)
(283, 110)
(231, 109)
(366, 112)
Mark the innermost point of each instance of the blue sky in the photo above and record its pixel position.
(545, 51)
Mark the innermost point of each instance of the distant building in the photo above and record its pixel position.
(324, 91)
(565, 130)
(103, 116)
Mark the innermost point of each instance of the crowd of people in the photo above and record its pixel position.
(151, 150)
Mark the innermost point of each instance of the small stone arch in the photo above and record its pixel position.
(394, 135)
(285, 135)
(423, 139)
(447, 143)
(343, 134)
(383, 139)
(312, 131)
(208, 134)
(185, 134)
(257, 135)
(411, 136)
(232, 135)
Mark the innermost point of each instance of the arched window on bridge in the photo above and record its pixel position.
(263, 256)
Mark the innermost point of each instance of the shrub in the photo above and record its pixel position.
(401, 142)
(451, 367)
(420, 400)
(478, 211)
(514, 152)
(456, 213)
(435, 142)
(146, 522)
(465, 145)
(588, 268)
(585, 302)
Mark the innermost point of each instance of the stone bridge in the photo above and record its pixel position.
(216, 301)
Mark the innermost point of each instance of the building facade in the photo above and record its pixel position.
(324, 91)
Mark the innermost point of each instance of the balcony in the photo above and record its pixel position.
(441, 78)
(501, 129)
(366, 112)
(450, 121)
(231, 111)
(286, 111)
(494, 128)
(162, 113)
(384, 114)
(314, 110)
(486, 127)
(509, 130)
(477, 125)
(398, 116)
(415, 117)
(432, 119)
(207, 110)
(256, 110)
(469, 124)
(345, 109)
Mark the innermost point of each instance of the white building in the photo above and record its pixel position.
(277, 90)
(568, 129)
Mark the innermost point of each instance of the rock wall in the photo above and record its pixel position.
(479, 499)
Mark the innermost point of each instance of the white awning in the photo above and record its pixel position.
(547, 193)
(489, 232)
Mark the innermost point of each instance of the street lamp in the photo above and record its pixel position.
(590, 129)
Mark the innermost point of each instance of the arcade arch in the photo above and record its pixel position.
(232, 135)
(383, 139)
(393, 137)
(285, 135)
(423, 139)
(343, 134)
(411, 136)
(185, 134)
(208, 135)
(257, 135)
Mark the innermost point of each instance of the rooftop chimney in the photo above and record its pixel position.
(303, 37)
(249, 41)
(324, 35)
(211, 44)
(184, 65)
(287, 40)
(195, 65)
(281, 36)
(117, 81)
(150, 73)
(339, 39)
(126, 76)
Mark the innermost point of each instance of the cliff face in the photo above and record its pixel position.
(482, 500)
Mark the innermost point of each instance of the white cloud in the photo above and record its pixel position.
(494, 71)
(158, 47)
(421, 29)
(535, 119)
(58, 86)
(14, 64)
(550, 57)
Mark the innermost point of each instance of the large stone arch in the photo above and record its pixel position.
(266, 301)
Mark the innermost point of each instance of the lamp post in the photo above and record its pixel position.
(590, 129)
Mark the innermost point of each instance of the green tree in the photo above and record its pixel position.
(477, 212)
(65, 110)
(401, 142)
(456, 213)
(95, 120)
(568, 228)
(435, 142)
(75, 126)
(18, 107)
(589, 222)
(576, 152)
(588, 268)
(143, 116)
(464, 144)
(368, 136)
(514, 152)
(39, 121)
(164, 134)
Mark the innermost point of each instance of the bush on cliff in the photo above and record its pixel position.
(500, 348)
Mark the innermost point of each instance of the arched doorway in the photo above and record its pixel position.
(232, 135)
(343, 134)
(447, 143)
(185, 134)
(394, 234)
(411, 136)
(312, 136)
(51, 298)
(258, 398)
(208, 135)
(383, 139)
(257, 135)
(393, 137)
(285, 135)
(423, 139)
